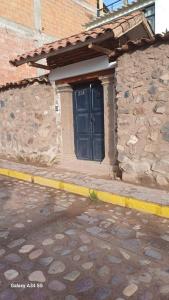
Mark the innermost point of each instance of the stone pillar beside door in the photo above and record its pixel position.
(67, 131)
(109, 122)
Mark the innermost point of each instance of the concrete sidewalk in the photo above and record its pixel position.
(116, 192)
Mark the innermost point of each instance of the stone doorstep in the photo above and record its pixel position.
(141, 198)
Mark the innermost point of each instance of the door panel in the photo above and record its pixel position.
(98, 127)
(97, 97)
(98, 148)
(83, 123)
(88, 112)
(83, 102)
(83, 148)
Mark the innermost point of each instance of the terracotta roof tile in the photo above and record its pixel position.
(134, 45)
(9, 85)
(116, 28)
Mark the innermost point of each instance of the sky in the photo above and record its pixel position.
(107, 2)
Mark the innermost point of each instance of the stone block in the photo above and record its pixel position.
(139, 167)
(162, 96)
(12, 115)
(138, 84)
(126, 94)
(139, 99)
(159, 109)
(161, 166)
(120, 147)
(2, 103)
(139, 110)
(153, 136)
(152, 89)
(154, 121)
(132, 141)
(164, 79)
(165, 131)
(161, 180)
(123, 121)
(156, 73)
(123, 111)
(122, 157)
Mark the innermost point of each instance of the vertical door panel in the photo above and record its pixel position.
(98, 148)
(89, 122)
(82, 127)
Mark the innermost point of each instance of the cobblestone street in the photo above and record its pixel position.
(56, 245)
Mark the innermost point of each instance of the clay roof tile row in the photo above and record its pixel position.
(129, 46)
(116, 28)
(134, 45)
(22, 83)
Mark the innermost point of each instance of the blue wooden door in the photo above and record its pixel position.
(89, 121)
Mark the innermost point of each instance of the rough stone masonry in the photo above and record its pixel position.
(143, 115)
(29, 127)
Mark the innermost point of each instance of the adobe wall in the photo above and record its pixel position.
(29, 126)
(143, 115)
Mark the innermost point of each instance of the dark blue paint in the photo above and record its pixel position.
(88, 112)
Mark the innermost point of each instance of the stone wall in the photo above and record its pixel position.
(143, 115)
(29, 125)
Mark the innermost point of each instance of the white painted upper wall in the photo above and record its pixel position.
(161, 16)
(83, 67)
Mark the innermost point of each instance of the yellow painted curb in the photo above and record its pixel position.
(144, 206)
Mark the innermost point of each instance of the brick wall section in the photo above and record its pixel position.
(59, 19)
(12, 45)
(91, 2)
(63, 19)
(143, 115)
(19, 11)
(30, 130)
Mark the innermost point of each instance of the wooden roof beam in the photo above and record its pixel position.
(40, 66)
(100, 49)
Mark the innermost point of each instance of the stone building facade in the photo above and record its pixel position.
(142, 78)
(28, 24)
(104, 115)
(29, 127)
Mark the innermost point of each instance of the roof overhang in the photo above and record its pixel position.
(89, 44)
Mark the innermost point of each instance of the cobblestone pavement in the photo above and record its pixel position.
(122, 188)
(56, 245)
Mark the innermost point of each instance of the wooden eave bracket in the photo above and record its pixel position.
(100, 49)
(40, 66)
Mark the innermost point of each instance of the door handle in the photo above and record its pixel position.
(92, 120)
